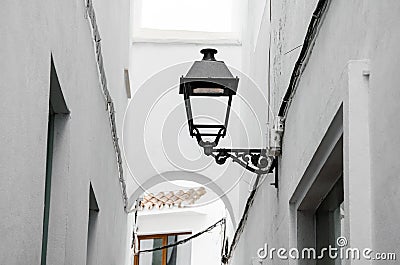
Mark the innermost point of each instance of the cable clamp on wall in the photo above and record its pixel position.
(275, 139)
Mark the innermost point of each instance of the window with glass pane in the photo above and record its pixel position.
(177, 255)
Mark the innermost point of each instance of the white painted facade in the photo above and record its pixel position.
(83, 152)
(340, 122)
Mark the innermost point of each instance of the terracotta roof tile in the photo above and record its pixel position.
(172, 198)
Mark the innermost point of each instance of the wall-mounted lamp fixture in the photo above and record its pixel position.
(210, 78)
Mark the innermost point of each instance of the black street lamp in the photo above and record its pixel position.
(210, 78)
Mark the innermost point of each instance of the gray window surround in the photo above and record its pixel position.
(321, 175)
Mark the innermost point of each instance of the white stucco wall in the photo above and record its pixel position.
(83, 151)
(384, 102)
(351, 31)
(256, 65)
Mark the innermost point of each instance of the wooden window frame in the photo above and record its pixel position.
(164, 238)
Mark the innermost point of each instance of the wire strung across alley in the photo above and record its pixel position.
(180, 242)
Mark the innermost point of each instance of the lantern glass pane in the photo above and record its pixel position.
(210, 111)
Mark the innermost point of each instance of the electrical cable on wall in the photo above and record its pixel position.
(109, 102)
(307, 47)
(243, 220)
(135, 239)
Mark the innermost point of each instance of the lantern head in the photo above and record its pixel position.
(208, 78)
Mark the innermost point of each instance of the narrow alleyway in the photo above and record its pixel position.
(170, 132)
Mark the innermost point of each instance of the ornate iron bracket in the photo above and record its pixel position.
(254, 160)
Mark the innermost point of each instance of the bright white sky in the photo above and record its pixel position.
(192, 15)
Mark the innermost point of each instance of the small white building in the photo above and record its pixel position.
(162, 222)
